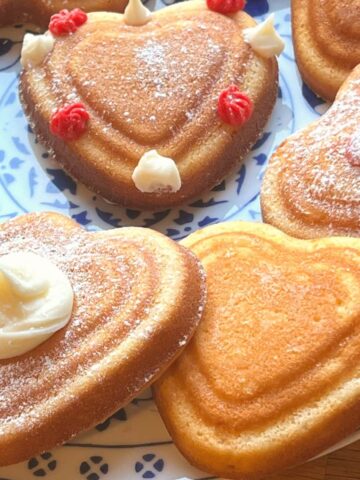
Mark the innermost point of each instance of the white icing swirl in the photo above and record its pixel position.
(264, 39)
(155, 173)
(136, 14)
(36, 300)
(35, 48)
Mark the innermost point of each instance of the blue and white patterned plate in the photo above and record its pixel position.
(133, 444)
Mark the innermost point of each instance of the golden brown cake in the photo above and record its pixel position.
(271, 376)
(39, 11)
(326, 35)
(312, 184)
(152, 87)
(138, 298)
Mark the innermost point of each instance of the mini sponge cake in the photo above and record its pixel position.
(326, 35)
(179, 74)
(138, 297)
(311, 187)
(271, 377)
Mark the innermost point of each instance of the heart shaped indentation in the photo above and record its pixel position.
(150, 84)
(279, 312)
(151, 80)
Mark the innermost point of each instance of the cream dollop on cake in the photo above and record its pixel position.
(136, 13)
(155, 173)
(264, 39)
(35, 48)
(36, 300)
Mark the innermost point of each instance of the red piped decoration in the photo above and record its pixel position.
(69, 123)
(234, 106)
(226, 6)
(66, 22)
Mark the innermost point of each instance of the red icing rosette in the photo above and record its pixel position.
(66, 22)
(69, 122)
(226, 6)
(234, 106)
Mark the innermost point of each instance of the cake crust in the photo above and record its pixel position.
(326, 36)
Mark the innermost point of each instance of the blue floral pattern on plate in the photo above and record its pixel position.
(133, 444)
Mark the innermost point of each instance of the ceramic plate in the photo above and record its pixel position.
(133, 444)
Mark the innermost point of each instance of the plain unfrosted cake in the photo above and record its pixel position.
(138, 298)
(149, 87)
(311, 186)
(272, 375)
(40, 11)
(326, 36)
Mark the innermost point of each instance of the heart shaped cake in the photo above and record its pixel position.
(326, 37)
(312, 184)
(138, 297)
(271, 377)
(39, 11)
(184, 89)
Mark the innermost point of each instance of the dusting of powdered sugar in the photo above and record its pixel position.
(316, 177)
(115, 298)
(136, 83)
